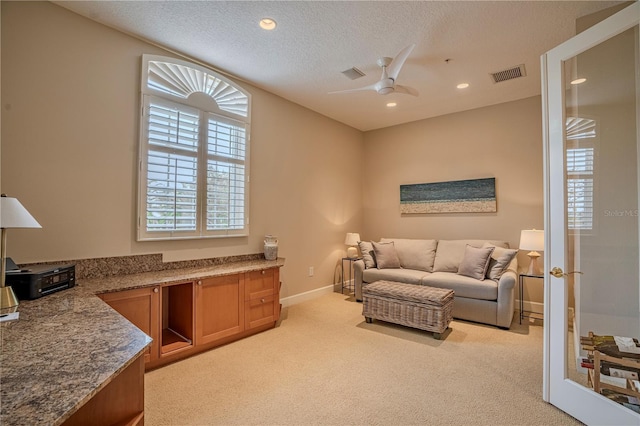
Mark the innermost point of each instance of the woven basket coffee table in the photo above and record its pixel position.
(411, 305)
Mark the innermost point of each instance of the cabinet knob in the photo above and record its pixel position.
(262, 300)
(199, 282)
(264, 272)
(155, 290)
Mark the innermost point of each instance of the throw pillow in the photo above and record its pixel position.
(414, 254)
(366, 248)
(475, 262)
(500, 260)
(386, 256)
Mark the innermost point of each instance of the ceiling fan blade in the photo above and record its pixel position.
(396, 65)
(359, 89)
(406, 90)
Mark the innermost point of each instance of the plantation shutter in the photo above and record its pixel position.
(226, 156)
(172, 169)
(580, 188)
(580, 135)
(194, 148)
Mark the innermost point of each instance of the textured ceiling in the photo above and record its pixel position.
(302, 59)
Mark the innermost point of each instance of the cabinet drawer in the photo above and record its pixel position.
(261, 284)
(261, 311)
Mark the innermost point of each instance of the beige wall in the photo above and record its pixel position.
(70, 108)
(70, 100)
(502, 141)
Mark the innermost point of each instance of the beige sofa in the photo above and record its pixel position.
(481, 272)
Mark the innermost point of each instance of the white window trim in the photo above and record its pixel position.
(207, 104)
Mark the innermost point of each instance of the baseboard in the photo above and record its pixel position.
(307, 295)
(529, 306)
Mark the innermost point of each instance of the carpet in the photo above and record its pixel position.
(324, 365)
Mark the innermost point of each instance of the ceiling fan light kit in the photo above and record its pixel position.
(390, 69)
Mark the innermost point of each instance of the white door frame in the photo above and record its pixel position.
(576, 400)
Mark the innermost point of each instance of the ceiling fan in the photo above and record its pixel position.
(390, 69)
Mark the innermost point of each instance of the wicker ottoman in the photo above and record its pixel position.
(417, 306)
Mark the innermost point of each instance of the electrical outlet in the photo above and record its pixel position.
(310, 271)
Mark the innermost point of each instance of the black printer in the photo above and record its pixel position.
(39, 280)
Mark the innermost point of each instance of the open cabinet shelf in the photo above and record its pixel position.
(177, 318)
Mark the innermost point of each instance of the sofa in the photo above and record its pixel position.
(482, 273)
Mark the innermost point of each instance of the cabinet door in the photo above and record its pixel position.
(219, 308)
(140, 307)
(262, 297)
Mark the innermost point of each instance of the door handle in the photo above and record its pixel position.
(559, 273)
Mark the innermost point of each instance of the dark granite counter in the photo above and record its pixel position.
(67, 346)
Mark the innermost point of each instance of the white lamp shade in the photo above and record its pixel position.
(14, 215)
(352, 239)
(532, 239)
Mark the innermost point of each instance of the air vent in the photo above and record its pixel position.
(353, 73)
(510, 74)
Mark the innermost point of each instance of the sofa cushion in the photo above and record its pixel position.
(386, 256)
(500, 260)
(368, 256)
(462, 285)
(415, 254)
(409, 276)
(475, 262)
(449, 253)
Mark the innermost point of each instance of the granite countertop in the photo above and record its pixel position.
(67, 346)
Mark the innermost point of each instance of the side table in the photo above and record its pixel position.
(523, 313)
(350, 283)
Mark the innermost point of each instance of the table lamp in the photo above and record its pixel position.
(12, 215)
(533, 240)
(352, 241)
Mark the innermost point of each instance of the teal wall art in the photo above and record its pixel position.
(460, 196)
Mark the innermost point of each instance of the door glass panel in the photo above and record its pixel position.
(601, 175)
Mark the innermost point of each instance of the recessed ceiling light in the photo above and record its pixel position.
(462, 85)
(268, 24)
(391, 104)
(579, 81)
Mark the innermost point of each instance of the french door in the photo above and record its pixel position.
(591, 103)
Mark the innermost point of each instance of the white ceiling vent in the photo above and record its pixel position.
(509, 74)
(353, 73)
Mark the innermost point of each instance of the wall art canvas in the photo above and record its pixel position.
(460, 196)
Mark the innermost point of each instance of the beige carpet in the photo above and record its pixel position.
(324, 365)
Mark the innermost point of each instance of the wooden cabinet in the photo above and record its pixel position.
(177, 318)
(120, 402)
(140, 307)
(219, 308)
(191, 317)
(262, 302)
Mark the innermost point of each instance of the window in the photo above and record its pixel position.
(581, 133)
(194, 167)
